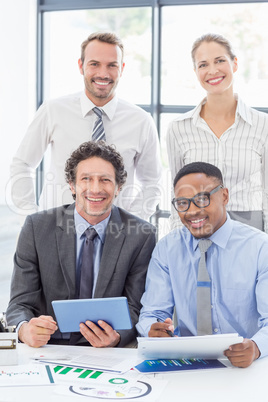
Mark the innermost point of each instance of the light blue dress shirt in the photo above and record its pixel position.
(80, 226)
(237, 262)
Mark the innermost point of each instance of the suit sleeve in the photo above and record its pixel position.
(25, 295)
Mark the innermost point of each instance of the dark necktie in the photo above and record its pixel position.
(98, 130)
(204, 326)
(87, 268)
(87, 275)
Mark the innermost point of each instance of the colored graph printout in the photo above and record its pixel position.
(167, 365)
(77, 374)
(30, 374)
(101, 385)
(126, 391)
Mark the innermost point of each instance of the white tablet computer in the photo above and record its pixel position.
(113, 310)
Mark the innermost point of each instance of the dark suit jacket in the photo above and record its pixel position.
(45, 264)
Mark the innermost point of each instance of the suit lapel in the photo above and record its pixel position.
(115, 237)
(66, 244)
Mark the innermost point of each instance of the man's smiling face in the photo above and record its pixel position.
(102, 69)
(202, 222)
(95, 189)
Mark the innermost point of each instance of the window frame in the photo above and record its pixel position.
(155, 107)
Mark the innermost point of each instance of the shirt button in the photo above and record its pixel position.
(216, 329)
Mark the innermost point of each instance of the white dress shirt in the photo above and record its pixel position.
(240, 153)
(63, 124)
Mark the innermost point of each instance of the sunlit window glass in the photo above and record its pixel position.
(244, 25)
(64, 33)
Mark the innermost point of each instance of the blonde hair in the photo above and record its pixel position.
(210, 37)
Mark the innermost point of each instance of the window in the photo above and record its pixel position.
(65, 31)
(169, 85)
(243, 24)
(245, 27)
(159, 76)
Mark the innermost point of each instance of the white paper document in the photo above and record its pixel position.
(88, 357)
(198, 347)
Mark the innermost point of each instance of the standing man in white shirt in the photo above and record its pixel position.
(66, 122)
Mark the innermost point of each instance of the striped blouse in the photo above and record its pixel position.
(240, 153)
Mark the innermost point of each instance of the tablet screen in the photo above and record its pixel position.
(113, 310)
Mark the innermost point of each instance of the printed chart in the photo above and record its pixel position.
(164, 365)
(125, 391)
(34, 374)
(101, 385)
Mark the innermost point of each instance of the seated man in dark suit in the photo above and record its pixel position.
(48, 259)
(214, 270)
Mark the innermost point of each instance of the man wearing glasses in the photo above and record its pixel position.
(236, 265)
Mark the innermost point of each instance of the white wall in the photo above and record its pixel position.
(17, 106)
(17, 78)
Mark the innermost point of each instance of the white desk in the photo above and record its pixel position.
(228, 385)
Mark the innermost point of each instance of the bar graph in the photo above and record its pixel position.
(71, 373)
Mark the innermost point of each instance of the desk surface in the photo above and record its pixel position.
(221, 385)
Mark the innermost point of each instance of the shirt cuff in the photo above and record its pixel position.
(18, 328)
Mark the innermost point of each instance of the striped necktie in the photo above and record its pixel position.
(98, 131)
(204, 325)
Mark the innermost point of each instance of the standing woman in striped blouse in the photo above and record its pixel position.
(224, 131)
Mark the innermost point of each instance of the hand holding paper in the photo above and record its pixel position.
(243, 354)
(197, 347)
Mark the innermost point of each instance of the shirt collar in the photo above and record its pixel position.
(109, 109)
(81, 225)
(242, 110)
(197, 110)
(221, 236)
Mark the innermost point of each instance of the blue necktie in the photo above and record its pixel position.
(98, 130)
(204, 325)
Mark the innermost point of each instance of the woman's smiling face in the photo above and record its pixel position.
(214, 67)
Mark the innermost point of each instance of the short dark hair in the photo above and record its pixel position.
(105, 37)
(99, 149)
(199, 167)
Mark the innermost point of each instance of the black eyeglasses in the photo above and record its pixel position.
(201, 200)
